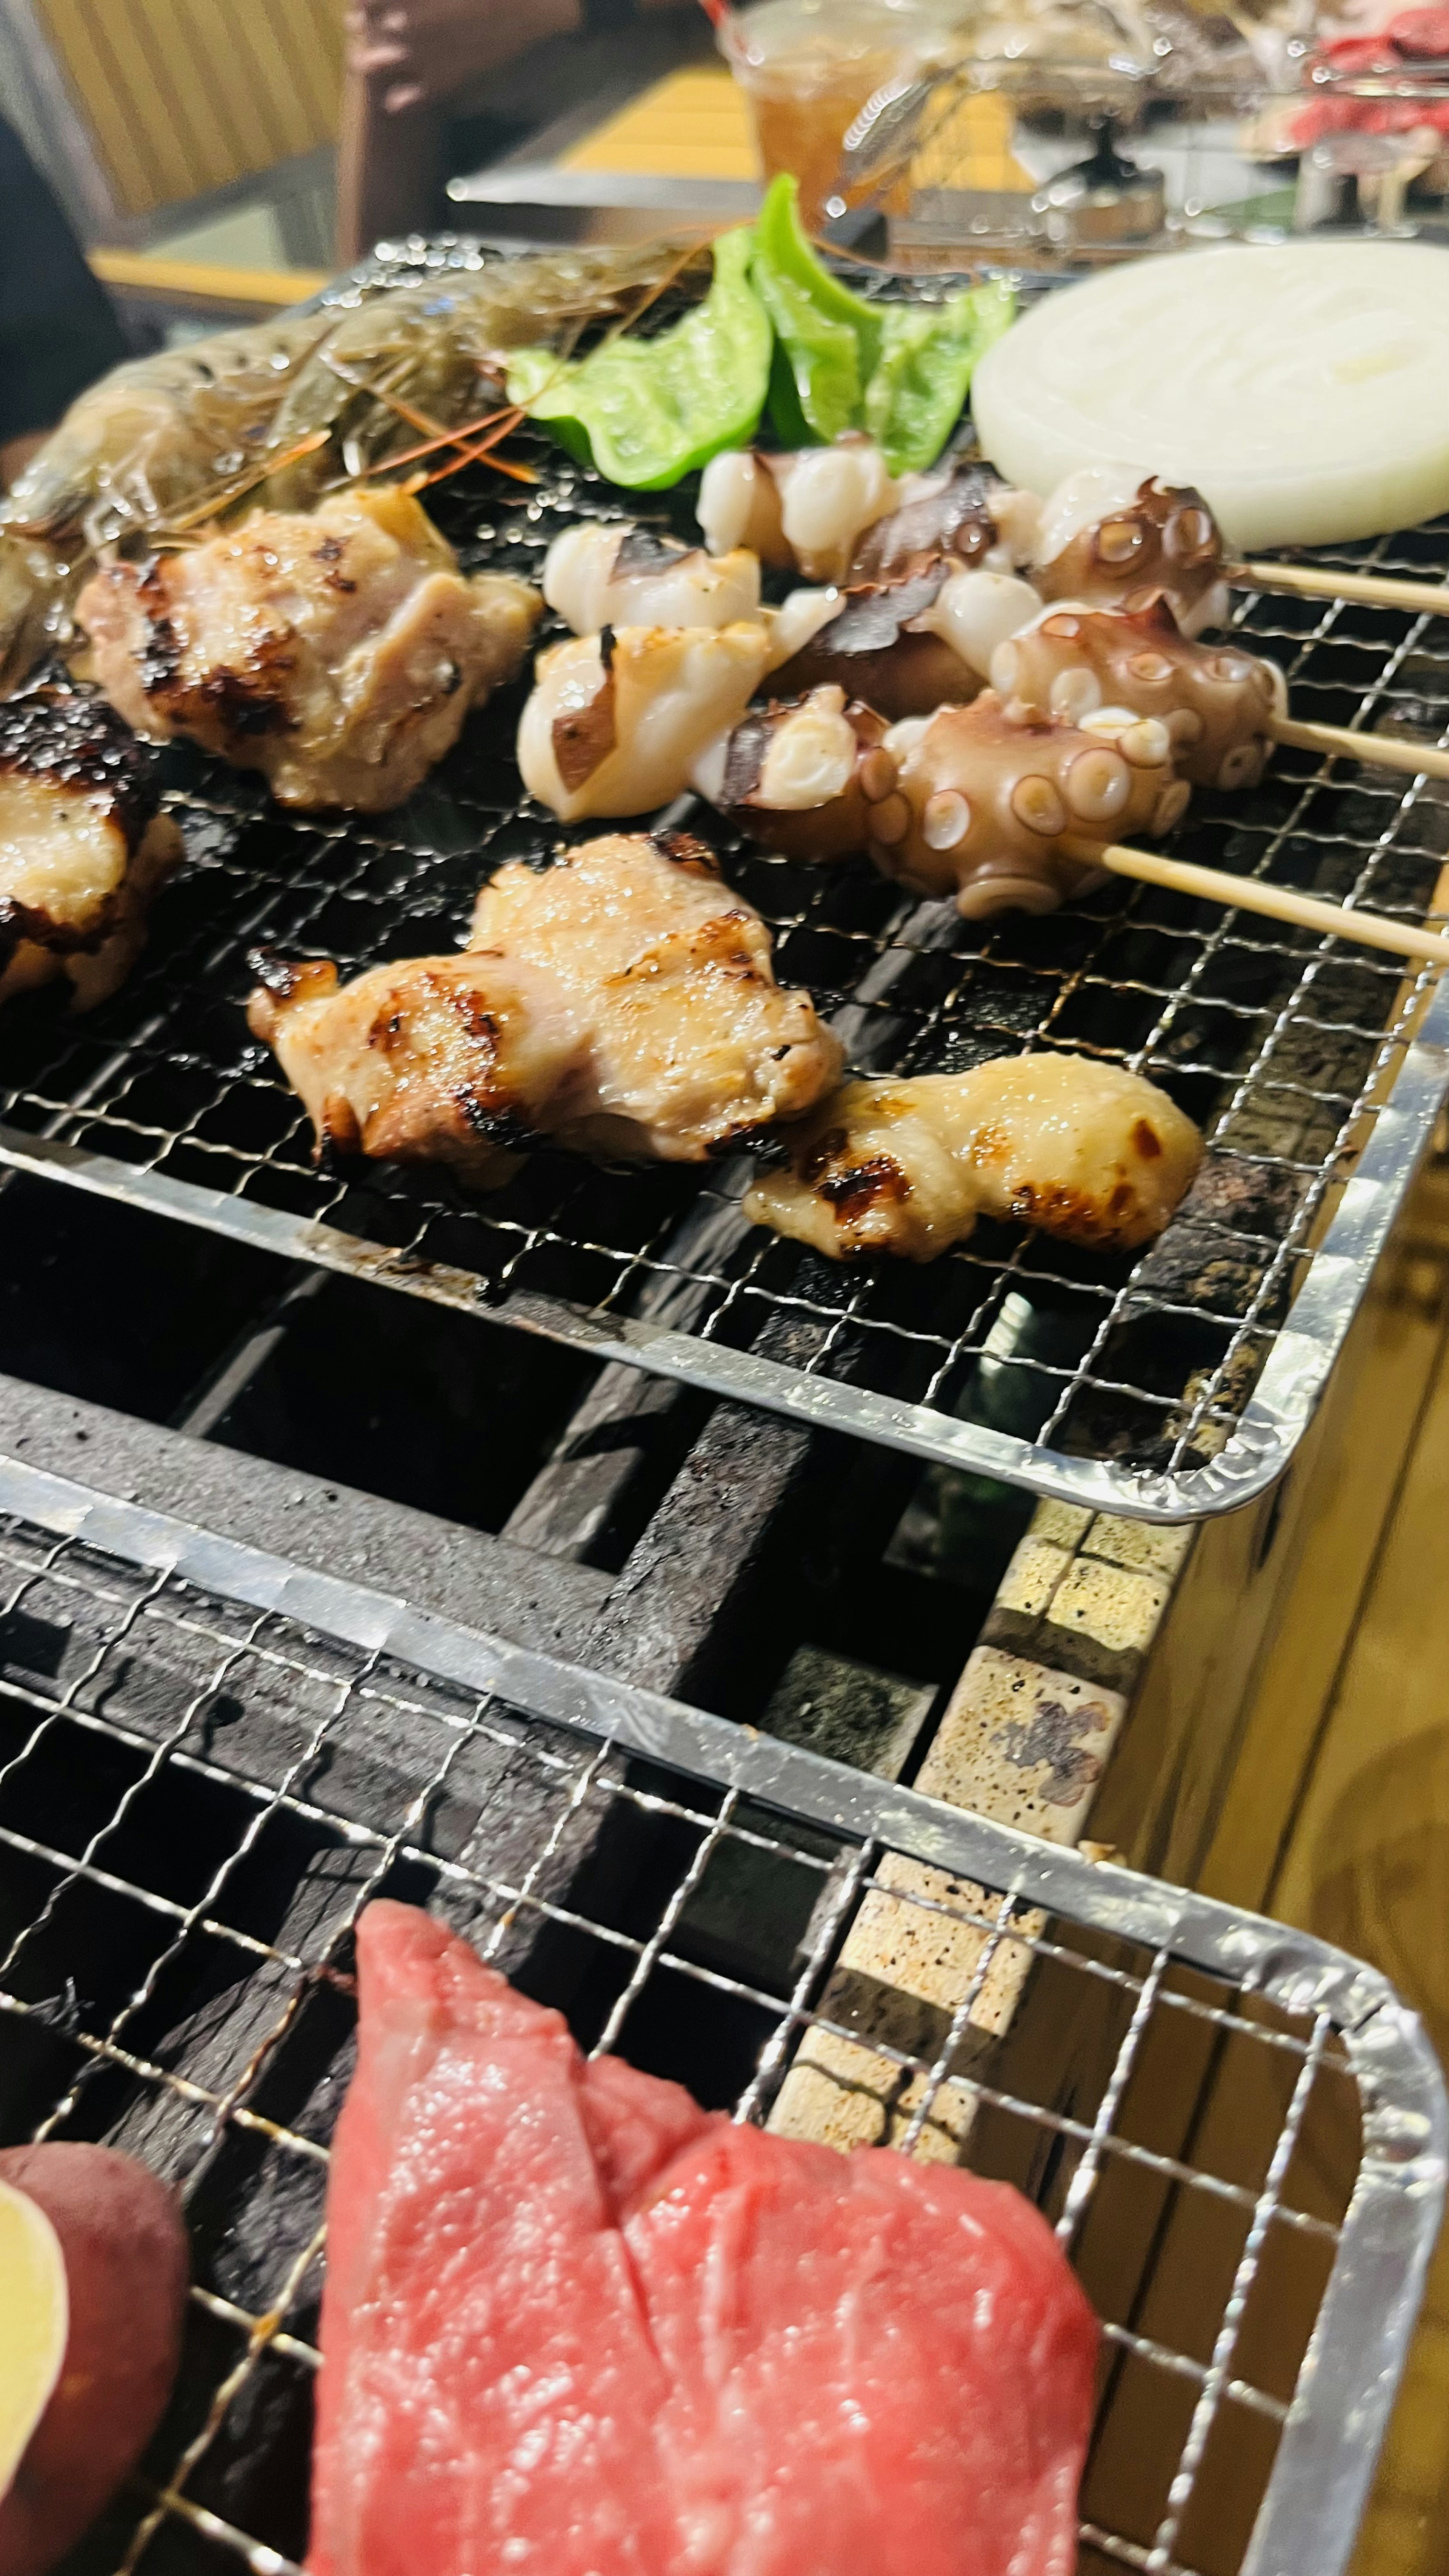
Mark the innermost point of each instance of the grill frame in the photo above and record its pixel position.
(1229, 1425)
(1331, 2429)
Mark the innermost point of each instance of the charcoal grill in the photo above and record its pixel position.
(1169, 1388)
(227, 1756)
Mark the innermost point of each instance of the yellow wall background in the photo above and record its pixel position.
(182, 96)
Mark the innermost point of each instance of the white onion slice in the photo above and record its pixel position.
(1303, 387)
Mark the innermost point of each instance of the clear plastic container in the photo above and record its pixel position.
(811, 69)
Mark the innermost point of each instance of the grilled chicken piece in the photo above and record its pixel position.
(83, 844)
(685, 1039)
(622, 1001)
(426, 1061)
(337, 650)
(1082, 1150)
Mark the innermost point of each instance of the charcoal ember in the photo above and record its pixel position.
(1221, 1244)
(1248, 1198)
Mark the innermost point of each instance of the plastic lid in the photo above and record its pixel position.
(779, 28)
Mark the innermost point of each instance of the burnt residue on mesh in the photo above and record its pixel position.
(1225, 1238)
(70, 737)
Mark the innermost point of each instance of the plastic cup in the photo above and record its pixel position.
(810, 67)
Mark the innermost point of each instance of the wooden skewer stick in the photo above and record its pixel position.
(1381, 750)
(1375, 589)
(1276, 903)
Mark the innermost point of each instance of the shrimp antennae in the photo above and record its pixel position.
(437, 435)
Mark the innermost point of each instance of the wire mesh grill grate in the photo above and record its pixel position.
(198, 1794)
(1140, 1385)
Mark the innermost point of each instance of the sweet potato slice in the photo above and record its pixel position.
(119, 2236)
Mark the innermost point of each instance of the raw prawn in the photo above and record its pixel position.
(277, 411)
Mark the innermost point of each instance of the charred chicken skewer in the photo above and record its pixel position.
(622, 1001)
(84, 844)
(1082, 1150)
(336, 650)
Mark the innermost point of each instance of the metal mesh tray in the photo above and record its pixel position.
(211, 1759)
(1171, 1387)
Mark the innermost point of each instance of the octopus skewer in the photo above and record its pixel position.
(1270, 902)
(1001, 806)
(1224, 707)
(1104, 530)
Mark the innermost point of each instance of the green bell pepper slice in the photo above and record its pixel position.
(928, 353)
(646, 412)
(901, 371)
(827, 339)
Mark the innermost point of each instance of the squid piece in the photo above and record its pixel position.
(807, 509)
(617, 720)
(1218, 703)
(605, 575)
(909, 645)
(963, 510)
(621, 1001)
(84, 845)
(1105, 533)
(801, 778)
(987, 795)
(1082, 1150)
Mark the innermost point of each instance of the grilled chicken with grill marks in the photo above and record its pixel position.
(337, 650)
(83, 844)
(622, 1001)
(1082, 1150)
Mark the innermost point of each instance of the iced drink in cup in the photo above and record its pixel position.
(810, 67)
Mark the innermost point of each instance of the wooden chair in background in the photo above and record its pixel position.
(138, 105)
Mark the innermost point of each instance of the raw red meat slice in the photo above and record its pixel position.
(575, 2326)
